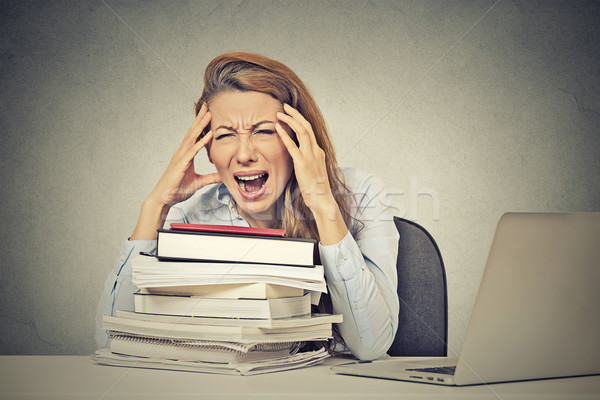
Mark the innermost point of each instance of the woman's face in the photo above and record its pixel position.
(248, 153)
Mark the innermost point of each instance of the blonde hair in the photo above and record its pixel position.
(254, 72)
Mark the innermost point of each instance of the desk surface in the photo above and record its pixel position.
(77, 377)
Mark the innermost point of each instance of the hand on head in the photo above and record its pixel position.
(180, 181)
(308, 157)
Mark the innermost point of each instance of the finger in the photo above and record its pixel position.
(201, 113)
(301, 134)
(288, 142)
(193, 151)
(199, 116)
(294, 113)
(208, 179)
(200, 122)
(297, 115)
(186, 154)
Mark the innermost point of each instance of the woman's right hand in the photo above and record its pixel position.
(179, 181)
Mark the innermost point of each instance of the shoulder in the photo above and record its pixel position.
(362, 183)
(372, 204)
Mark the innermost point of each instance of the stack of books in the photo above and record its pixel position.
(222, 299)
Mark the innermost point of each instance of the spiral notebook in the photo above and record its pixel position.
(197, 350)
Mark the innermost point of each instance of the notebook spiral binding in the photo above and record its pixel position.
(239, 348)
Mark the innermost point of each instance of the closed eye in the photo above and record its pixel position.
(224, 135)
(264, 132)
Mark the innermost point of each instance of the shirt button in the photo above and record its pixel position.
(122, 258)
(356, 306)
(341, 261)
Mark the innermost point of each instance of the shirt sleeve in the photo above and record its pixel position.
(118, 289)
(361, 274)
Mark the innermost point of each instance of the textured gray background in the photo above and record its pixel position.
(466, 109)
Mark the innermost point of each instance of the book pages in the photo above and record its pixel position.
(298, 360)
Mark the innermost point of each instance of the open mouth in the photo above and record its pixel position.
(252, 183)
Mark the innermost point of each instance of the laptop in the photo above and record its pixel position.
(536, 314)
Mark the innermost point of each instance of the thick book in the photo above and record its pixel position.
(303, 320)
(229, 291)
(223, 308)
(298, 360)
(236, 248)
(148, 271)
(238, 334)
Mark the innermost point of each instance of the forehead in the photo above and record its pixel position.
(243, 109)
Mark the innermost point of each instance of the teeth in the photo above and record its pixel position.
(249, 178)
(243, 179)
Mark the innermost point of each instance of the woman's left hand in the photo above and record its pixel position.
(308, 158)
(311, 173)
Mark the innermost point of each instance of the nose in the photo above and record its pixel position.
(246, 153)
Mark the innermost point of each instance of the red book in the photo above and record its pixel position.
(241, 230)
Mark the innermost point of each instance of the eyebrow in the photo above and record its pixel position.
(229, 128)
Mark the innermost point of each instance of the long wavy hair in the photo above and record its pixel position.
(254, 72)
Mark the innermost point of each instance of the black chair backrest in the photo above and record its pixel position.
(423, 317)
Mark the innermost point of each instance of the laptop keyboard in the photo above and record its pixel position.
(436, 370)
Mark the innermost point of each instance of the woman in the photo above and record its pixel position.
(276, 167)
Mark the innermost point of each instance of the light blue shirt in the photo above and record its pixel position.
(360, 270)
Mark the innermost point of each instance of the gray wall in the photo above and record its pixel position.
(466, 109)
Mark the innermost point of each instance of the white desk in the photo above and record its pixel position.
(77, 377)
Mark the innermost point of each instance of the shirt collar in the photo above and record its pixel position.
(224, 197)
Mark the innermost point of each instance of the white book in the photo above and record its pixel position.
(159, 281)
(229, 291)
(148, 271)
(238, 334)
(197, 306)
(237, 248)
(303, 320)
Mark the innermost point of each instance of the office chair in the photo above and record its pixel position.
(423, 316)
